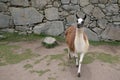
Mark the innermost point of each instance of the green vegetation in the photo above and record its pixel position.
(89, 58)
(27, 66)
(15, 37)
(39, 60)
(41, 72)
(7, 55)
(12, 37)
(108, 58)
(112, 43)
(21, 37)
(51, 78)
(57, 57)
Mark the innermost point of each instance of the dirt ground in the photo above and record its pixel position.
(52, 70)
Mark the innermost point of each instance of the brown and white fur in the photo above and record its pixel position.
(77, 42)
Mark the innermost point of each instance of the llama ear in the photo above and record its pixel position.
(77, 16)
(84, 17)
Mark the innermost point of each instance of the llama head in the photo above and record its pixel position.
(80, 21)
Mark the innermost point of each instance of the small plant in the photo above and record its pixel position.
(41, 72)
(39, 60)
(27, 66)
(51, 78)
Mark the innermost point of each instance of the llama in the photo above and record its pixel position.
(77, 42)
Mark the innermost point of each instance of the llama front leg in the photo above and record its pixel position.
(76, 58)
(80, 62)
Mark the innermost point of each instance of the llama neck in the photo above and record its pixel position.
(79, 32)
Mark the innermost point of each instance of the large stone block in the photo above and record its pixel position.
(40, 28)
(97, 30)
(113, 1)
(22, 28)
(71, 7)
(71, 19)
(102, 23)
(116, 18)
(20, 2)
(40, 3)
(88, 9)
(3, 7)
(56, 4)
(111, 33)
(93, 24)
(4, 0)
(113, 8)
(51, 13)
(54, 28)
(103, 1)
(74, 1)
(4, 21)
(65, 1)
(94, 1)
(84, 2)
(119, 1)
(25, 16)
(91, 35)
(98, 13)
(102, 6)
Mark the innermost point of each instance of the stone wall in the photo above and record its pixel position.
(53, 17)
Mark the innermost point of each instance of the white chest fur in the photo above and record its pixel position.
(79, 43)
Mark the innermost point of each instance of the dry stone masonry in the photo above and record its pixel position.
(52, 17)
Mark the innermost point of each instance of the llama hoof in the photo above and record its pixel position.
(69, 57)
(79, 75)
(77, 66)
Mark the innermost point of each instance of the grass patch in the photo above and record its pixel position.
(41, 72)
(57, 57)
(112, 43)
(15, 37)
(51, 78)
(39, 60)
(60, 38)
(89, 58)
(104, 57)
(7, 55)
(108, 58)
(2, 63)
(28, 66)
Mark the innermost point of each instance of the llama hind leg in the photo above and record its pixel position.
(69, 55)
(80, 62)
